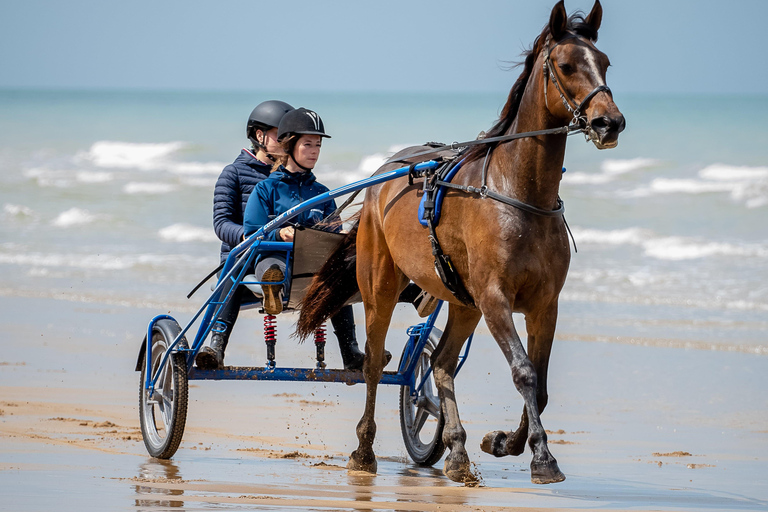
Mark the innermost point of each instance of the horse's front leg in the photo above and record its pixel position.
(544, 469)
(461, 322)
(541, 334)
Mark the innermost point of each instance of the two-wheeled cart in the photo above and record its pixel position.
(166, 359)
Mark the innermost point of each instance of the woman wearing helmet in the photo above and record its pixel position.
(300, 134)
(230, 196)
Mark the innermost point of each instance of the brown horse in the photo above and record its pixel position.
(508, 259)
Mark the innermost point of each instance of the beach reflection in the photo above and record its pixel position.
(414, 484)
(158, 471)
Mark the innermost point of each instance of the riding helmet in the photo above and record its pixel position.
(301, 121)
(266, 115)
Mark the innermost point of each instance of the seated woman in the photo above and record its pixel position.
(291, 182)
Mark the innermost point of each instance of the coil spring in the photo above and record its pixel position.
(320, 334)
(270, 329)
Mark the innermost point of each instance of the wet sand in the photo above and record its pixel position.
(641, 427)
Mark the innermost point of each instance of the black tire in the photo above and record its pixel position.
(421, 420)
(164, 416)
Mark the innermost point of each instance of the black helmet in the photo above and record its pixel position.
(301, 121)
(266, 115)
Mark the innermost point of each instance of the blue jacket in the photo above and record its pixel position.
(280, 192)
(230, 196)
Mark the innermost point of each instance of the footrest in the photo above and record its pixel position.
(290, 374)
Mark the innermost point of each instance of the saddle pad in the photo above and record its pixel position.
(439, 195)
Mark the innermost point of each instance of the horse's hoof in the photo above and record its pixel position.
(458, 469)
(495, 443)
(459, 474)
(360, 463)
(546, 472)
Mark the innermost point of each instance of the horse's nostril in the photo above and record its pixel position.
(601, 124)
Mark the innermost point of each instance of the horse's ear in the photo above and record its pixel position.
(595, 17)
(558, 21)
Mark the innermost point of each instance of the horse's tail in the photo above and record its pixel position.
(331, 288)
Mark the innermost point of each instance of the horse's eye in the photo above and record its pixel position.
(566, 68)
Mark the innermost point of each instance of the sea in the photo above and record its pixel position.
(106, 198)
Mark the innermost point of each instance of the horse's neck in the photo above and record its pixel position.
(530, 169)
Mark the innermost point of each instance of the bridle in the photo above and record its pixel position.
(550, 74)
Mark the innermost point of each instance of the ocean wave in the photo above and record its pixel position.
(148, 188)
(616, 166)
(187, 233)
(748, 185)
(123, 155)
(101, 261)
(610, 169)
(668, 247)
(662, 300)
(17, 210)
(74, 217)
(145, 157)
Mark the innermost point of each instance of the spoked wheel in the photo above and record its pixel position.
(163, 415)
(421, 420)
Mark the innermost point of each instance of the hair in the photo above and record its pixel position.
(576, 24)
(288, 144)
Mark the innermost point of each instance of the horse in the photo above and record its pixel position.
(507, 258)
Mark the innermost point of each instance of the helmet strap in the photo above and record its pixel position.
(305, 169)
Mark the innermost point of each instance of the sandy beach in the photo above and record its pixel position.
(632, 426)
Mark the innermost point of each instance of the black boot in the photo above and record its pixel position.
(344, 328)
(212, 358)
(351, 354)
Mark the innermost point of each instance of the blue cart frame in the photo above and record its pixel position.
(166, 361)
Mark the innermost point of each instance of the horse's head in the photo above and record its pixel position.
(574, 76)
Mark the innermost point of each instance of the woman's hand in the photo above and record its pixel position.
(286, 234)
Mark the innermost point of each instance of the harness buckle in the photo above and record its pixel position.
(483, 191)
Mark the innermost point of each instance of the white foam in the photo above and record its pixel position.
(74, 217)
(614, 166)
(667, 248)
(148, 188)
(583, 178)
(609, 170)
(748, 185)
(16, 210)
(187, 233)
(122, 155)
(677, 248)
(629, 236)
(722, 172)
(101, 261)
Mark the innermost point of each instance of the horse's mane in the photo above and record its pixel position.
(577, 25)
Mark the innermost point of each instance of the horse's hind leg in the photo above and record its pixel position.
(380, 285)
(544, 469)
(541, 334)
(461, 322)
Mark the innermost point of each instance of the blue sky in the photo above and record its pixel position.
(672, 46)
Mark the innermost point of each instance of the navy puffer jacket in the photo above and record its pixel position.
(230, 196)
(279, 193)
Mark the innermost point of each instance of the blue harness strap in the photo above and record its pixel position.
(439, 195)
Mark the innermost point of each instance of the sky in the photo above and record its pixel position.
(655, 46)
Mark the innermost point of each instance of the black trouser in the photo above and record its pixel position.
(343, 322)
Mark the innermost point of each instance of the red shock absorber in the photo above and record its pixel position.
(320, 346)
(270, 338)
